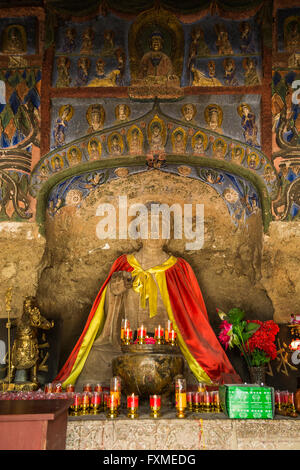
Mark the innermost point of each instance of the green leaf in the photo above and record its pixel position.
(252, 327)
(236, 315)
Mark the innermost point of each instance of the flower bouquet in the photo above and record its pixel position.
(254, 339)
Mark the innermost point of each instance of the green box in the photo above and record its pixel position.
(245, 401)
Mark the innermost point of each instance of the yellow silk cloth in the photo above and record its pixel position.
(144, 284)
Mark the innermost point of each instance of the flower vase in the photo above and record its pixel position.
(258, 375)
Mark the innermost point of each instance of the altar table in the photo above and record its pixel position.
(33, 424)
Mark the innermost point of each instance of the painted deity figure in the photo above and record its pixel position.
(229, 73)
(63, 72)
(148, 287)
(246, 40)
(115, 147)
(250, 73)
(248, 124)
(223, 44)
(14, 40)
(83, 68)
(108, 47)
(95, 116)
(87, 41)
(155, 62)
(189, 111)
(205, 79)
(61, 125)
(69, 41)
(122, 112)
(198, 148)
(94, 150)
(179, 142)
(135, 141)
(214, 116)
(156, 142)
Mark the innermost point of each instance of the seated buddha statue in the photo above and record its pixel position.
(148, 287)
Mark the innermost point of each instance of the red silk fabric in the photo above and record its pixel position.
(190, 316)
(120, 264)
(192, 321)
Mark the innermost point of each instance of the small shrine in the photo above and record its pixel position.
(149, 218)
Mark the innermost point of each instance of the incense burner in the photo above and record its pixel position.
(148, 369)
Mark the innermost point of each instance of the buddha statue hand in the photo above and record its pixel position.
(120, 282)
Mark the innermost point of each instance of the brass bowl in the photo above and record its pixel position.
(148, 369)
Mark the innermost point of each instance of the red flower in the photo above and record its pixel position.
(264, 338)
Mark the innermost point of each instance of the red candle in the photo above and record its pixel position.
(189, 398)
(142, 332)
(48, 388)
(57, 388)
(159, 332)
(132, 401)
(125, 324)
(172, 335)
(155, 402)
(98, 388)
(96, 398)
(196, 398)
(87, 388)
(70, 388)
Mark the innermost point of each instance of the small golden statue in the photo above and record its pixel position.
(25, 353)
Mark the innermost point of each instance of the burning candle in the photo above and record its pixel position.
(85, 400)
(96, 401)
(172, 337)
(57, 388)
(128, 336)
(189, 400)
(48, 388)
(112, 406)
(142, 333)
(155, 405)
(124, 325)
(70, 388)
(196, 402)
(98, 388)
(87, 388)
(132, 405)
(180, 397)
(216, 401)
(168, 329)
(75, 408)
(201, 387)
(207, 401)
(115, 388)
(159, 334)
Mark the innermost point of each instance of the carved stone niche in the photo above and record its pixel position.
(76, 262)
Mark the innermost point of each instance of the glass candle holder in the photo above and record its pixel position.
(189, 400)
(278, 401)
(172, 337)
(168, 329)
(216, 401)
(127, 336)
(284, 399)
(155, 406)
(85, 403)
(159, 334)
(75, 408)
(291, 404)
(112, 406)
(57, 388)
(98, 388)
(70, 388)
(132, 405)
(141, 334)
(87, 388)
(115, 388)
(207, 402)
(201, 387)
(180, 397)
(124, 325)
(96, 402)
(48, 388)
(196, 402)
(105, 398)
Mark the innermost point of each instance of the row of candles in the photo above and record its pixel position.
(285, 403)
(94, 400)
(161, 335)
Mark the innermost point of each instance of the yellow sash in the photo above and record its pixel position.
(144, 283)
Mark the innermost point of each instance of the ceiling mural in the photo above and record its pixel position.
(101, 87)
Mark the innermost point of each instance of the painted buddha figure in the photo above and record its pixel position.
(155, 63)
(147, 287)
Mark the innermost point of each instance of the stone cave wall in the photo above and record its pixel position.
(52, 181)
